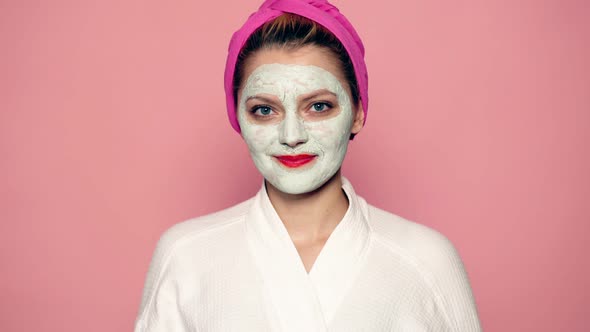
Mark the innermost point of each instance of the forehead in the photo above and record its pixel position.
(308, 55)
(291, 78)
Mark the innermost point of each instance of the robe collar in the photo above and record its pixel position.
(300, 301)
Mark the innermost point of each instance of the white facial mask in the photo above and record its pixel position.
(293, 135)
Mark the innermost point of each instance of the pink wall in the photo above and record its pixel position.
(113, 127)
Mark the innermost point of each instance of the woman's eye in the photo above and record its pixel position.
(320, 107)
(262, 110)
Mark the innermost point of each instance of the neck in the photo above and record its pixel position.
(311, 216)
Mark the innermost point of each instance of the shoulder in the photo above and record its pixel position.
(198, 239)
(435, 259)
(202, 226)
(430, 253)
(188, 248)
(418, 242)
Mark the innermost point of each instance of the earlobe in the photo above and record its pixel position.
(359, 119)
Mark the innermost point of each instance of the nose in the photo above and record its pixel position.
(292, 131)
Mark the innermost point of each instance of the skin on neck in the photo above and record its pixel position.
(311, 217)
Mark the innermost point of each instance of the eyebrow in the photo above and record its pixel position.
(310, 96)
(264, 99)
(317, 93)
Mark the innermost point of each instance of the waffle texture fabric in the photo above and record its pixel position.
(238, 270)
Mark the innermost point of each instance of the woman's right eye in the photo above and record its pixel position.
(261, 110)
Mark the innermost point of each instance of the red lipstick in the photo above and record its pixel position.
(295, 161)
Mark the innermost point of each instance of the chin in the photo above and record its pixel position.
(296, 190)
(297, 185)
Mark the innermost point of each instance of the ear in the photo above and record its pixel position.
(359, 119)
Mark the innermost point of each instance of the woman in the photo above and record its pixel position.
(306, 253)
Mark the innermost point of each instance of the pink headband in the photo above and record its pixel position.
(320, 11)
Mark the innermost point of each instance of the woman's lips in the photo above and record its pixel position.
(294, 161)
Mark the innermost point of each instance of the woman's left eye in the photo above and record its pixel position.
(320, 107)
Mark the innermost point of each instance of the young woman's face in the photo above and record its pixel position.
(296, 116)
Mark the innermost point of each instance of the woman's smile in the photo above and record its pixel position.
(295, 161)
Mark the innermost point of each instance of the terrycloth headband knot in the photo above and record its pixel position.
(320, 11)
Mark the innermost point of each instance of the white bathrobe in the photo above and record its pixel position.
(238, 270)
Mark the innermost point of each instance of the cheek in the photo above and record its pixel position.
(259, 138)
(332, 133)
(321, 131)
(256, 137)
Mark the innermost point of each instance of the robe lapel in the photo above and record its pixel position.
(287, 285)
(340, 260)
(298, 300)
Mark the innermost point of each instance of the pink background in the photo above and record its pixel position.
(113, 128)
